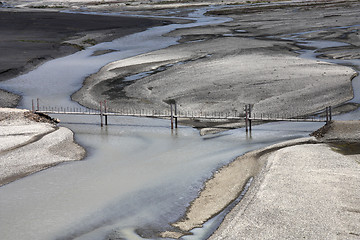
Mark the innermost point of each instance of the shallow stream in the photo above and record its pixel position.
(139, 176)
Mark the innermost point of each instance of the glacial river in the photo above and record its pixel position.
(139, 176)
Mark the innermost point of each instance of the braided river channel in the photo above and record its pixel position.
(138, 175)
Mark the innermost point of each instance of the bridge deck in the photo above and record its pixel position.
(190, 116)
(174, 115)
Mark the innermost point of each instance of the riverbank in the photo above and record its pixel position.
(31, 143)
(303, 188)
(32, 37)
(303, 191)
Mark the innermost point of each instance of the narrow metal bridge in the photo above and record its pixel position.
(173, 114)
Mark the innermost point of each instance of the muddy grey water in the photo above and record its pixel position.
(138, 175)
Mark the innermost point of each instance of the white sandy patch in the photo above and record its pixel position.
(123, 68)
(27, 146)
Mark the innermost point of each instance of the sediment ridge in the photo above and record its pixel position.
(31, 142)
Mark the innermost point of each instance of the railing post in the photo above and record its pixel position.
(330, 114)
(37, 104)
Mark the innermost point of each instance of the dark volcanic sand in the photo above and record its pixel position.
(29, 38)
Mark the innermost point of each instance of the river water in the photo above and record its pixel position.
(138, 176)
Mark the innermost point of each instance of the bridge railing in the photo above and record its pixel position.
(174, 114)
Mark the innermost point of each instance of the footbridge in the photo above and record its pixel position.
(173, 114)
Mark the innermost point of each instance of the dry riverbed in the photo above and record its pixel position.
(304, 191)
(305, 188)
(30, 143)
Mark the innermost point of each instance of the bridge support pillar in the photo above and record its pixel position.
(32, 105)
(176, 118)
(328, 115)
(248, 117)
(171, 117)
(105, 111)
(101, 115)
(249, 110)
